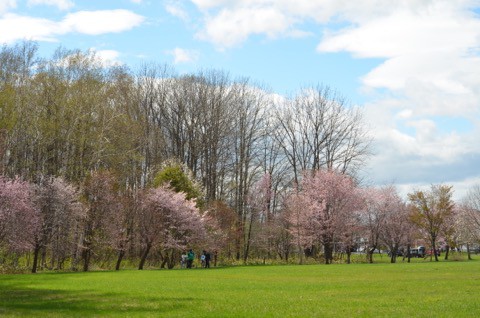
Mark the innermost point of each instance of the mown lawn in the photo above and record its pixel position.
(421, 289)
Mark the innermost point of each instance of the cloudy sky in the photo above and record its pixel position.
(412, 65)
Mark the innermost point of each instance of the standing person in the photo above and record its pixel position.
(183, 261)
(207, 260)
(202, 258)
(190, 258)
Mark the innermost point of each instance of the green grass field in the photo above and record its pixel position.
(420, 289)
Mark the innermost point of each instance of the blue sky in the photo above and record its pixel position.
(412, 66)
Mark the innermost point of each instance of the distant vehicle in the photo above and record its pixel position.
(417, 252)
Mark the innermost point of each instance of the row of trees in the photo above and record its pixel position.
(326, 215)
(112, 139)
(57, 224)
(330, 211)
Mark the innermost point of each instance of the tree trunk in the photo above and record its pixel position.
(301, 254)
(328, 253)
(393, 254)
(247, 243)
(35, 258)
(447, 250)
(238, 242)
(164, 259)
(43, 263)
(408, 253)
(172, 260)
(349, 256)
(144, 256)
(468, 252)
(434, 248)
(121, 253)
(86, 259)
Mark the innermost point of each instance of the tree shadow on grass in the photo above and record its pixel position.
(22, 301)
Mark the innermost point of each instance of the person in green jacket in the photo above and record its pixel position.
(190, 258)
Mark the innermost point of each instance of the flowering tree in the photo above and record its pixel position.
(301, 220)
(395, 228)
(471, 207)
(382, 207)
(465, 229)
(351, 229)
(60, 213)
(120, 225)
(19, 217)
(325, 200)
(168, 221)
(468, 219)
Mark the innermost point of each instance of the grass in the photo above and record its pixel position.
(421, 289)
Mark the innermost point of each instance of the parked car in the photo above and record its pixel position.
(417, 252)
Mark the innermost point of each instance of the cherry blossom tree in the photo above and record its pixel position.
(19, 216)
(301, 221)
(351, 229)
(169, 222)
(380, 203)
(60, 214)
(395, 228)
(120, 226)
(325, 200)
(468, 218)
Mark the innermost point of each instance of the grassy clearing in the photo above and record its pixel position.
(421, 289)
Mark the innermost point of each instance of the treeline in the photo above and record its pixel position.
(101, 152)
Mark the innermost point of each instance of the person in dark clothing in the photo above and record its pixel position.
(207, 259)
(190, 258)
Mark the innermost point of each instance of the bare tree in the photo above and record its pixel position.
(431, 210)
(317, 129)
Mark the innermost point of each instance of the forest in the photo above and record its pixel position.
(105, 167)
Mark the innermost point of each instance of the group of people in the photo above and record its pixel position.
(189, 257)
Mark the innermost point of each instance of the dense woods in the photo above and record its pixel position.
(105, 167)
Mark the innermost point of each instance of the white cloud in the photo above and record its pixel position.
(99, 22)
(228, 22)
(431, 62)
(15, 27)
(61, 4)
(460, 187)
(208, 4)
(428, 46)
(232, 27)
(184, 56)
(5, 5)
(107, 58)
(414, 151)
(430, 70)
(177, 11)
